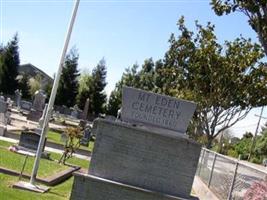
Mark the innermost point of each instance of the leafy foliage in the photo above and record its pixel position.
(226, 81)
(74, 136)
(256, 11)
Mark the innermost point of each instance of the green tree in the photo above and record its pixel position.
(226, 81)
(99, 83)
(24, 86)
(68, 84)
(35, 84)
(149, 78)
(85, 90)
(9, 63)
(255, 10)
(114, 102)
(1, 66)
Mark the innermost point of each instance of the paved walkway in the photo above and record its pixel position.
(49, 149)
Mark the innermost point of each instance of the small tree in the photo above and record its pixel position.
(74, 136)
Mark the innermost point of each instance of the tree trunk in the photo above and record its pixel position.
(209, 143)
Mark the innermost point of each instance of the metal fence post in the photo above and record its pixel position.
(233, 182)
(201, 162)
(212, 168)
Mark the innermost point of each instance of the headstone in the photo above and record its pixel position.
(38, 106)
(18, 97)
(9, 102)
(64, 137)
(39, 100)
(3, 112)
(3, 106)
(74, 112)
(131, 162)
(85, 109)
(86, 136)
(156, 110)
(25, 105)
(29, 140)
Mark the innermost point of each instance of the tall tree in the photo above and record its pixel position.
(255, 10)
(114, 102)
(226, 81)
(68, 84)
(9, 63)
(99, 83)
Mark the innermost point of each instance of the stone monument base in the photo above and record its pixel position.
(86, 186)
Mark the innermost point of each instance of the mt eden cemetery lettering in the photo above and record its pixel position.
(158, 110)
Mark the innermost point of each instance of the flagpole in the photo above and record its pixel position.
(53, 95)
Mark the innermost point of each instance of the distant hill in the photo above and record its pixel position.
(34, 71)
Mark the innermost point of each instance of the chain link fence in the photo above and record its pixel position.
(230, 179)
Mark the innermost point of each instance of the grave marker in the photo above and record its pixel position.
(29, 140)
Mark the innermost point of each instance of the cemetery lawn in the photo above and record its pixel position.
(14, 161)
(53, 136)
(59, 192)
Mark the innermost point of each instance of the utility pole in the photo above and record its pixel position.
(31, 186)
(255, 135)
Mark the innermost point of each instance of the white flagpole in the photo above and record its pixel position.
(53, 96)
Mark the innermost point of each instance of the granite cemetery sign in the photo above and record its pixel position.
(156, 110)
(136, 163)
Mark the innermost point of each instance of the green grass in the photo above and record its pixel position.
(15, 161)
(59, 192)
(53, 136)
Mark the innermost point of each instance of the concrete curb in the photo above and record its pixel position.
(202, 191)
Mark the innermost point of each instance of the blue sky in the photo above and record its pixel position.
(123, 32)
